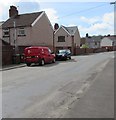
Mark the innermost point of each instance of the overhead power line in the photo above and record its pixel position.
(85, 10)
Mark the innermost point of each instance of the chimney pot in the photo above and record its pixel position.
(56, 26)
(13, 11)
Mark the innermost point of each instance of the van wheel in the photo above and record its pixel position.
(28, 64)
(42, 62)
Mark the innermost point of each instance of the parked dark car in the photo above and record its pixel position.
(63, 54)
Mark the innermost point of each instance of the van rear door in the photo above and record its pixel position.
(32, 52)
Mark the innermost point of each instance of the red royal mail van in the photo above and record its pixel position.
(39, 55)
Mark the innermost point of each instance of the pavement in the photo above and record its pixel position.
(13, 66)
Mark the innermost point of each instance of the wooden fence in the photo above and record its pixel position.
(7, 53)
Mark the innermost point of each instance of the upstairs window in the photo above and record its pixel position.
(61, 38)
(6, 33)
(21, 32)
(95, 43)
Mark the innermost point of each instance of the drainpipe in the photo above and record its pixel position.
(72, 37)
(54, 41)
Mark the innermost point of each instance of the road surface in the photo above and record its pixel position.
(52, 90)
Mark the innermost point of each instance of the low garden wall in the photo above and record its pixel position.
(84, 51)
(9, 58)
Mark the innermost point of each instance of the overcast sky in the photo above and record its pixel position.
(92, 17)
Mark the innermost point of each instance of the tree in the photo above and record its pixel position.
(85, 46)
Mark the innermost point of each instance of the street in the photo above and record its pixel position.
(54, 90)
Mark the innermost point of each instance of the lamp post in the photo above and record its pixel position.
(72, 37)
(15, 44)
(16, 55)
(54, 41)
(114, 3)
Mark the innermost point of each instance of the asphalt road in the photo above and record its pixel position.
(53, 90)
(98, 101)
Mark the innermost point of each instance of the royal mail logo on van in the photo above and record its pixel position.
(29, 51)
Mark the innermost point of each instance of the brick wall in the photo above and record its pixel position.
(7, 53)
(83, 51)
(79, 51)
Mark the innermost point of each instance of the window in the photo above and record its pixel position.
(61, 38)
(21, 32)
(95, 43)
(6, 33)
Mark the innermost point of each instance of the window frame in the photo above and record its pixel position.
(6, 30)
(61, 38)
(21, 31)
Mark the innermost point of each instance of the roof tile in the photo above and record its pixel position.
(21, 20)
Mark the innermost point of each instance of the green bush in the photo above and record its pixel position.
(85, 46)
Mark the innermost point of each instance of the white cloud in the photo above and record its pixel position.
(97, 25)
(90, 20)
(52, 15)
(4, 6)
(1, 10)
(72, 25)
(108, 18)
(7, 2)
(74, 0)
(103, 25)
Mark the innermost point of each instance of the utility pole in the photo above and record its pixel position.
(15, 37)
(114, 3)
(54, 41)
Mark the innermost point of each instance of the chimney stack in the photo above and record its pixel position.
(56, 26)
(87, 35)
(13, 11)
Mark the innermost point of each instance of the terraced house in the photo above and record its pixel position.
(67, 38)
(30, 29)
(35, 29)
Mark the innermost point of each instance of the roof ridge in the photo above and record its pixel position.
(25, 19)
(72, 26)
(65, 28)
(30, 13)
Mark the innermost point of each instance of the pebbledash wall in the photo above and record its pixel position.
(40, 34)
